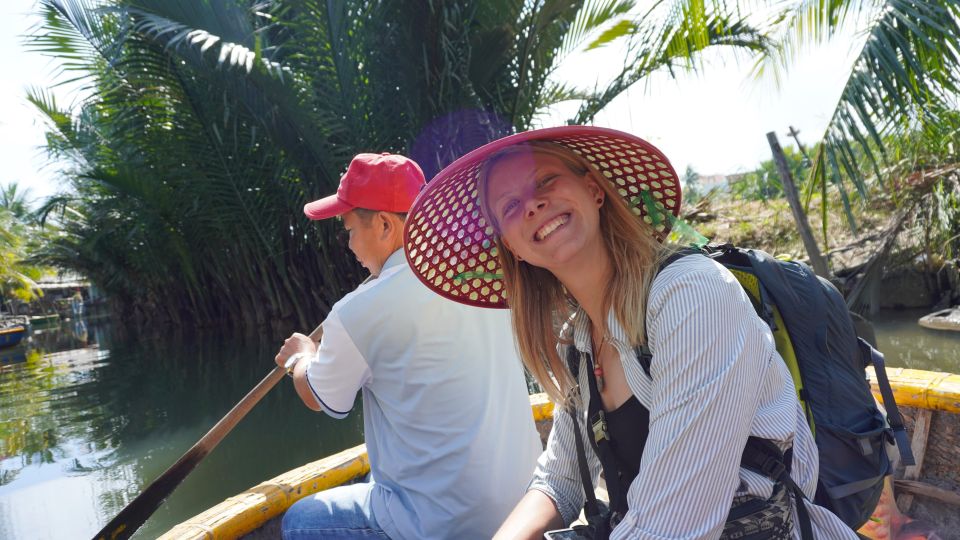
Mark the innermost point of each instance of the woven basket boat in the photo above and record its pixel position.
(930, 403)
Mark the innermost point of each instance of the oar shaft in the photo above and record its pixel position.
(146, 503)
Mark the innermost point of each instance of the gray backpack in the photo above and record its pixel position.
(815, 335)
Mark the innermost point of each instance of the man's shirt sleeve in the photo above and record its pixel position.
(338, 370)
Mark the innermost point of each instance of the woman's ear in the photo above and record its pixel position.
(596, 191)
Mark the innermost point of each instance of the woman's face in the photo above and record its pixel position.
(547, 214)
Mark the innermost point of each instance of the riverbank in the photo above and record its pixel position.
(914, 275)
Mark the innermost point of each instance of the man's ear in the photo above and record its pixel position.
(384, 224)
(389, 224)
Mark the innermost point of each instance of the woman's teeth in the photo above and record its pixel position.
(551, 226)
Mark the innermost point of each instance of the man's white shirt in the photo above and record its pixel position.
(447, 421)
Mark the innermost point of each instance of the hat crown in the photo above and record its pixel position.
(385, 181)
(452, 248)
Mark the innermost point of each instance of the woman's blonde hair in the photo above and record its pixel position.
(539, 304)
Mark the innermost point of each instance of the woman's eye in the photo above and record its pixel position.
(547, 181)
(507, 208)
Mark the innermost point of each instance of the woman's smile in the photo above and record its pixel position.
(546, 214)
(549, 227)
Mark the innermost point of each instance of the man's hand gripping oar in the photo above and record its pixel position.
(292, 358)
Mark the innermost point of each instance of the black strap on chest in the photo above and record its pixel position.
(591, 507)
(760, 456)
(600, 441)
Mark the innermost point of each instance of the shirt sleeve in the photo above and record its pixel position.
(338, 370)
(558, 473)
(710, 354)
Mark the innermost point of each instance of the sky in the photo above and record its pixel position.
(21, 126)
(714, 121)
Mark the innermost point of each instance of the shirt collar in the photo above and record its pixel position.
(395, 258)
(581, 330)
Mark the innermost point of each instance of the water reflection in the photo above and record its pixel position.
(907, 344)
(87, 421)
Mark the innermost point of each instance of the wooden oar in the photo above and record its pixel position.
(136, 513)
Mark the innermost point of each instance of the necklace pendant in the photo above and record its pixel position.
(598, 375)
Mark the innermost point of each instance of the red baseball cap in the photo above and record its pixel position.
(386, 182)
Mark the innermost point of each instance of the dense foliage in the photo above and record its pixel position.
(763, 183)
(210, 123)
(21, 237)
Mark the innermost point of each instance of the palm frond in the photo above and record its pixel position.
(675, 42)
(907, 70)
(593, 16)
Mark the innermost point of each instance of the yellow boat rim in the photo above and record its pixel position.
(250, 510)
(246, 512)
(923, 389)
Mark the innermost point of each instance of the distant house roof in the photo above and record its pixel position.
(65, 280)
(711, 180)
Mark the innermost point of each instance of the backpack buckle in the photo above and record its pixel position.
(773, 468)
(599, 427)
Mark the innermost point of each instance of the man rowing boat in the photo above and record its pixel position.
(447, 423)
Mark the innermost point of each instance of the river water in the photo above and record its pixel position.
(88, 419)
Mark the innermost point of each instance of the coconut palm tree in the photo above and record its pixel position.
(905, 75)
(908, 69)
(904, 81)
(209, 125)
(18, 242)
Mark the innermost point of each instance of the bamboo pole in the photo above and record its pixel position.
(817, 261)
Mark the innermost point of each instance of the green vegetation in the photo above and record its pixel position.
(20, 239)
(909, 220)
(763, 183)
(924, 182)
(212, 123)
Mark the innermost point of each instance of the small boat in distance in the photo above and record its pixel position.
(12, 355)
(12, 335)
(43, 321)
(945, 319)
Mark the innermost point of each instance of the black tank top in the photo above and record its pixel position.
(628, 426)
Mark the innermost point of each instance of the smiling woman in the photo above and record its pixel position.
(564, 226)
(538, 212)
(545, 201)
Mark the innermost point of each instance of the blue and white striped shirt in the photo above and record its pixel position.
(716, 378)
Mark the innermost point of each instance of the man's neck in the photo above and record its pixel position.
(386, 257)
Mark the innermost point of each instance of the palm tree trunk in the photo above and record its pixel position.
(803, 226)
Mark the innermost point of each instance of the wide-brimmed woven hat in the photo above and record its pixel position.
(450, 244)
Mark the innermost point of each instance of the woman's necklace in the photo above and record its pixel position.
(597, 366)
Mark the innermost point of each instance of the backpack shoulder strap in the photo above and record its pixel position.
(875, 357)
(644, 355)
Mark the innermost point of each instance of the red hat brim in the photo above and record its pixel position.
(326, 207)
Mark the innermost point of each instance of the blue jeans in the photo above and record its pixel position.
(341, 512)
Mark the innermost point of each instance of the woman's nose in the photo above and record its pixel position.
(535, 204)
